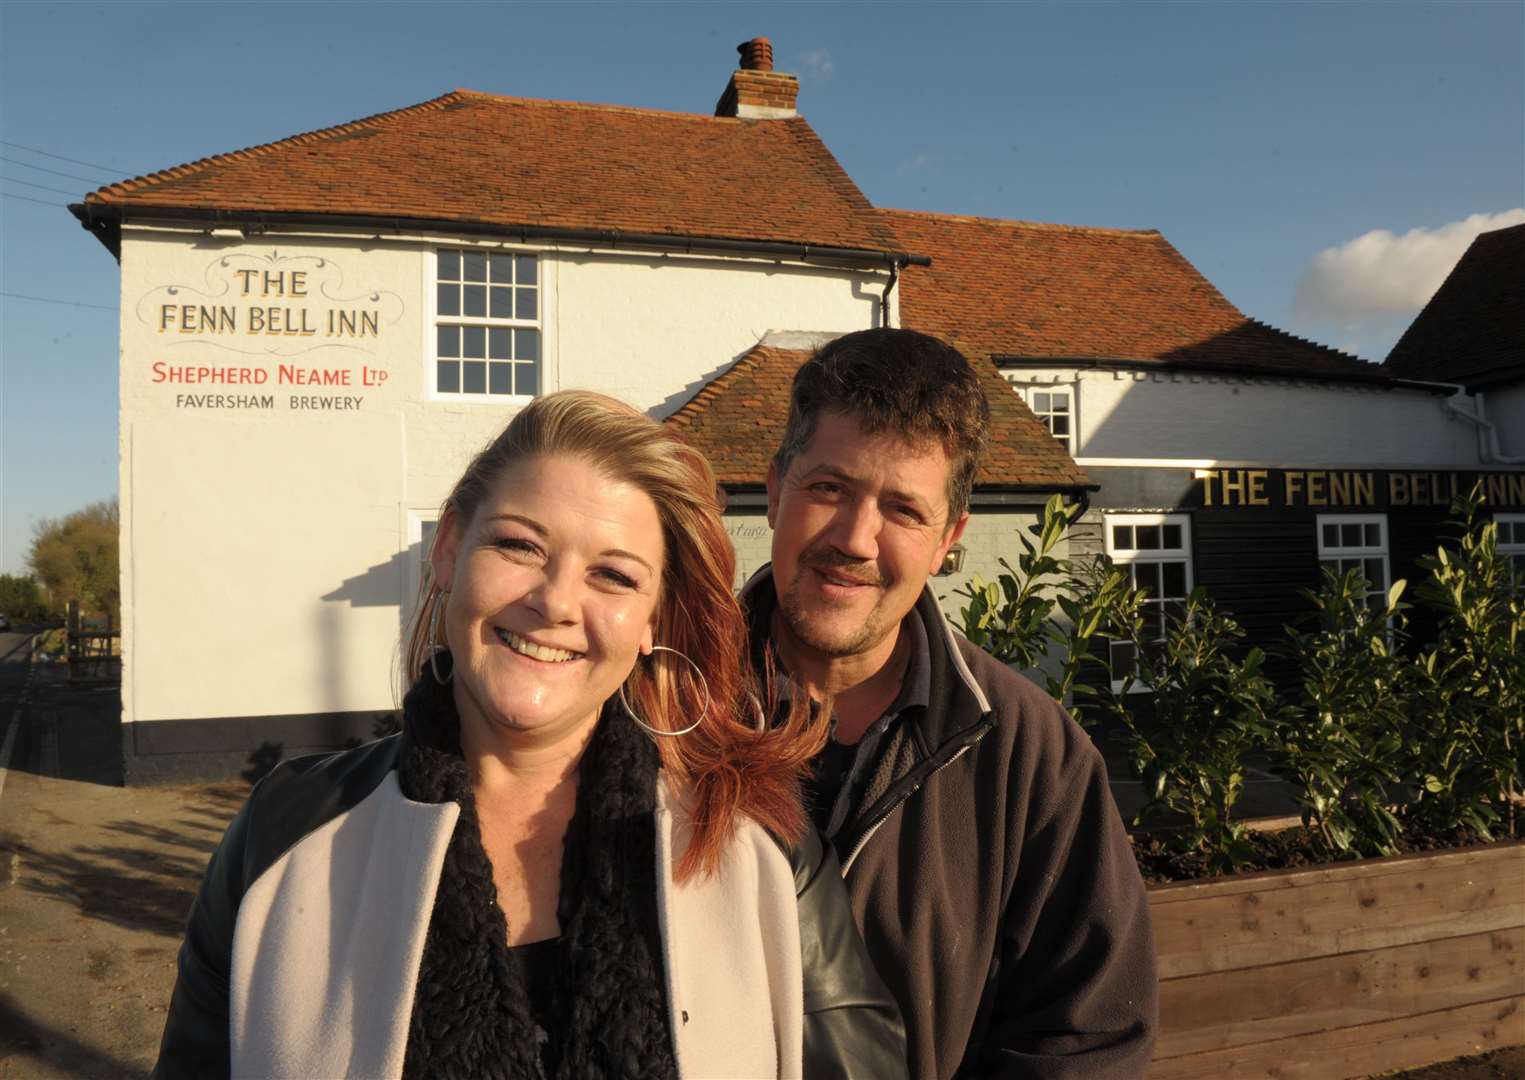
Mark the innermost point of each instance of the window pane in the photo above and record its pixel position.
(1041, 403)
(449, 340)
(501, 268)
(1175, 612)
(474, 266)
(1122, 537)
(527, 344)
(448, 376)
(1350, 535)
(1148, 537)
(1170, 537)
(1174, 579)
(500, 378)
(450, 266)
(474, 301)
(1147, 577)
(474, 377)
(527, 379)
(1374, 574)
(499, 343)
(525, 268)
(474, 341)
(1061, 403)
(1059, 425)
(524, 303)
(1121, 654)
(448, 299)
(502, 303)
(1331, 536)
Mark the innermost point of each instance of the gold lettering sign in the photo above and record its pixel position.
(1353, 488)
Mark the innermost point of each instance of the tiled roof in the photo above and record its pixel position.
(1474, 325)
(738, 419)
(1021, 289)
(485, 159)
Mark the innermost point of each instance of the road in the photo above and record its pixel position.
(95, 881)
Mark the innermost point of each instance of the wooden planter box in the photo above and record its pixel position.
(1342, 971)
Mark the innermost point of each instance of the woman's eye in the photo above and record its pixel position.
(515, 545)
(624, 581)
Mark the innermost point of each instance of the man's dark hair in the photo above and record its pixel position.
(898, 381)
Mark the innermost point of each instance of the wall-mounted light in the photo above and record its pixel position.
(953, 562)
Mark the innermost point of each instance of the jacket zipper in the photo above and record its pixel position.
(882, 818)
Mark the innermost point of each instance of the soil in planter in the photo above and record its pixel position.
(1506, 1064)
(1286, 849)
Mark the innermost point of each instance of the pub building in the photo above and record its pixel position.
(317, 333)
(1226, 453)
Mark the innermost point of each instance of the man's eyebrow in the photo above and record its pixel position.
(540, 530)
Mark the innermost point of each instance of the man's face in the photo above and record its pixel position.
(859, 523)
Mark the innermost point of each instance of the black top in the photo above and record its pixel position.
(842, 770)
(537, 961)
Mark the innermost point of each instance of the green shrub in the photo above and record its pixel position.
(1047, 605)
(1341, 745)
(1210, 711)
(1467, 735)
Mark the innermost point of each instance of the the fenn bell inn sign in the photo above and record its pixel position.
(1291, 489)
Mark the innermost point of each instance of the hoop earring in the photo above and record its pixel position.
(432, 645)
(670, 734)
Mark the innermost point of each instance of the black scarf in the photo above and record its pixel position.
(608, 1010)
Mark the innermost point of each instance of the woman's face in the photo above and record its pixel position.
(553, 592)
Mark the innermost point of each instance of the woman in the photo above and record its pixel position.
(585, 854)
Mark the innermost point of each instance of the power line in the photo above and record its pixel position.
(60, 157)
(28, 198)
(28, 183)
(50, 300)
(39, 168)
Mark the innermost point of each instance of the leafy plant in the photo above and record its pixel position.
(1467, 739)
(1210, 711)
(1048, 605)
(1340, 746)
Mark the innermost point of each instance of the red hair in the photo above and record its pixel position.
(726, 765)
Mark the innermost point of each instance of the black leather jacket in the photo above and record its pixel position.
(852, 1025)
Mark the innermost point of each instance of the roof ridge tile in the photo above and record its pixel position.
(1017, 223)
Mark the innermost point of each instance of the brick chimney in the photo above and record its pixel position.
(756, 91)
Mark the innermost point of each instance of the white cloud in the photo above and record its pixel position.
(1381, 273)
(816, 64)
(919, 163)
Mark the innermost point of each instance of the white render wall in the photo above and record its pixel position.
(268, 554)
(1505, 409)
(1231, 419)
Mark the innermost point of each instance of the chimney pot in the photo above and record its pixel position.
(756, 55)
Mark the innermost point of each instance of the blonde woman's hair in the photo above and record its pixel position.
(728, 765)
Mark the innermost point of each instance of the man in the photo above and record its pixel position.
(988, 867)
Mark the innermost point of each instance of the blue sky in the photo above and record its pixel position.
(1263, 139)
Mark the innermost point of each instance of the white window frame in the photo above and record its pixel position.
(419, 522)
(1131, 556)
(1361, 551)
(434, 319)
(1071, 391)
(1514, 548)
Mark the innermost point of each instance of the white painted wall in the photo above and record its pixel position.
(1130, 414)
(1505, 408)
(268, 553)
